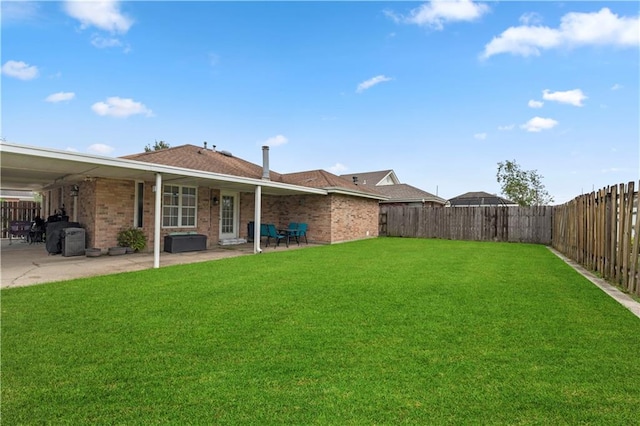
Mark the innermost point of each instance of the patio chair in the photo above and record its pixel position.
(36, 233)
(264, 232)
(300, 232)
(272, 232)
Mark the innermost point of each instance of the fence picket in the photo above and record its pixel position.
(20, 210)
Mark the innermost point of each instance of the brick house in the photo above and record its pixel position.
(202, 190)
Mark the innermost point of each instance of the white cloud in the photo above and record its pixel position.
(119, 107)
(372, 82)
(19, 69)
(60, 97)
(275, 141)
(507, 127)
(69, 149)
(537, 124)
(576, 29)
(338, 168)
(535, 104)
(525, 41)
(105, 15)
(102, 42)
(436, 13)
(571, 97)
(530, 18)
(480, 136)
(617, 86)
(100, 148)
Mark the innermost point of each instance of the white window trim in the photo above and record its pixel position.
(180, 207)
(136, 210)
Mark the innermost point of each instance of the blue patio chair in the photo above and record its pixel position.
(301, 231)
(272, 232)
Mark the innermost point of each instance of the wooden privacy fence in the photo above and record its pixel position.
(600, 231)
(509, 224)
(17, 211)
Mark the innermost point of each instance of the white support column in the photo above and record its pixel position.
(75, 208)
(257, 220)
(156, 224)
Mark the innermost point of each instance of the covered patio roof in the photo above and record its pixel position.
(35, 169)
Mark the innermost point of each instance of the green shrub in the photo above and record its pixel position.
(132, 237)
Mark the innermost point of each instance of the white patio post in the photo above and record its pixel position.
(75, 208)
(156, 224)
(256, 220)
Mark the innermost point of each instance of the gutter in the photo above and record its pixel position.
(343, 191)
(142, 166)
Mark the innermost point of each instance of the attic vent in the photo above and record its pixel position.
(226, 153)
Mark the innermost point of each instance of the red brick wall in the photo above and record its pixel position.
(108, 206)
(333, 218)
(114, 209)
(353, 218)
(86, 210)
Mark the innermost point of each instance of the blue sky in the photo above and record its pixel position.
(440, 92)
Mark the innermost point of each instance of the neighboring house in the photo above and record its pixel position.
(479, 199)
(196, 190)
(399, 194)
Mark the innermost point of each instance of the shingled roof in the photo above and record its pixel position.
(326, 180)
(208, 160)
(403, 193)
(479, 198)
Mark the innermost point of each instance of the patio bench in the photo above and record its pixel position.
(19, 229)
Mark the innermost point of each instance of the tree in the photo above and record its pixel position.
(157, 146)
(522, 186)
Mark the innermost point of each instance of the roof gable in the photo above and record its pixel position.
(379, 178)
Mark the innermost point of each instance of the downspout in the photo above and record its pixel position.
(156, 222)
(256, 221)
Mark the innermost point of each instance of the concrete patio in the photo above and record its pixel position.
(24, 264)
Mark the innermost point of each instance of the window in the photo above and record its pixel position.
(178, 206)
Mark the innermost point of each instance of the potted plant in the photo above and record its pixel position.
(132, 238)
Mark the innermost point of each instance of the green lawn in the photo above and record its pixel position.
(383, 331)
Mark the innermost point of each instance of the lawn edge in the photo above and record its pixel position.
(620, 297)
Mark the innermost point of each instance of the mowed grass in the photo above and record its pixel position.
(383, 331)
